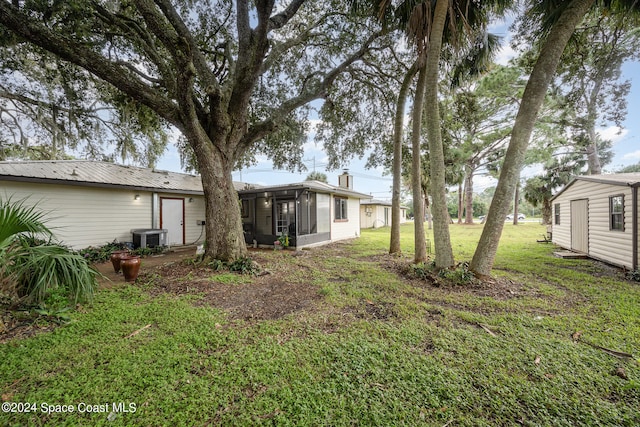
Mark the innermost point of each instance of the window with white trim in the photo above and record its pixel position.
(616, 212)
(340, 209)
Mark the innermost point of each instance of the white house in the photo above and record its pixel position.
(91, 203)
(377, 213)
(598, 215)
(311, 212)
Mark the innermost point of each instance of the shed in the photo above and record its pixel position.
(90, 203)
(311, 213)
(598, 215)
(377, 213)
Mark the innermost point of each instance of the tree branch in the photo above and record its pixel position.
(281, 19)
(79, 54)
(202, 68)
(312, 92)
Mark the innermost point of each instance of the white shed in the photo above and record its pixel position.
(598, 215)
(91, 203)
(377, 213)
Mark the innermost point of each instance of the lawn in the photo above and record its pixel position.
(366, 345)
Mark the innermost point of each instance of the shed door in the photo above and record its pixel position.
(172, 219)
(580, 225)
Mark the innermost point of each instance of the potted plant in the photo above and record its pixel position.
(282, 242)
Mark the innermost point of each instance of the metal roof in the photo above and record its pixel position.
(103, 174)
(623, 179)
(307, 185)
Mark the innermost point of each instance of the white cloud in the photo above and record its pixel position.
(613, 133)
(632, 156)
(506, 53)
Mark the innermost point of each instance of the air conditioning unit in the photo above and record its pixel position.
(149, 237)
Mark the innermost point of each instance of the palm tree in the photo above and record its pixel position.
(560, 23)
(425, 23)
(398, 126)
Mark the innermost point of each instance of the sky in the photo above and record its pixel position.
(626, 148)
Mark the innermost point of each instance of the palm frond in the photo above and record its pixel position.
(37, 270)
(17, 218)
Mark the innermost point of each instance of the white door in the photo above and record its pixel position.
(285, 214)
(172, 220)
(580, 226)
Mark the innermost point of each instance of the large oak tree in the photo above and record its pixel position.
(231, 76)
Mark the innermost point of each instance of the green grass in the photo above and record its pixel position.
(423, 361)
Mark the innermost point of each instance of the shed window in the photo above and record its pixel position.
(556, 214)
(616, 213)
(340, 209)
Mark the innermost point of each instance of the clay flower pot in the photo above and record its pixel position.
(130, 267)
(115, 258)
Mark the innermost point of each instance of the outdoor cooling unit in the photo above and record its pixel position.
(149, 238)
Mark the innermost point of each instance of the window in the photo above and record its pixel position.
(616, 213)
(340, 209)
(556, 214)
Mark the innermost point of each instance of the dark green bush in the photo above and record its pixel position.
(97, 254)
(634, 275)
(244, 265)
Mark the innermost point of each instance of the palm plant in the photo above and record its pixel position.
(16, 218)
(32, 268)
(431, 25)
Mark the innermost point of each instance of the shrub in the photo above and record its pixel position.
(634, 275)
(32, 267)
(458, 276)
(97, 254)
(244, 265)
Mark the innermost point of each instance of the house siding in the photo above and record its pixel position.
(85, 216)
(351, 227)
(89, 216)
(611, 246)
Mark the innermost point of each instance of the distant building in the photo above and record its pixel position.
(377, 213)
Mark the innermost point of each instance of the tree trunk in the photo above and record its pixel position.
(427, 207)
(593, 157)
(546, 211)
(416, 171)
(398, 127)
(442, 241)
(516, 204)
(223, 226)
(460, 203)
(532, 99)
(468, 197)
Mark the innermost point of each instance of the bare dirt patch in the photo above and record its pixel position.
(269, 295)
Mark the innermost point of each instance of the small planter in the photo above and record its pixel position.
(116, 257)
(130, 267)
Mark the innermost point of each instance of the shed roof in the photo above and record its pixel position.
(623, 179)
(317, 186)
(102, 174)
(380, 203)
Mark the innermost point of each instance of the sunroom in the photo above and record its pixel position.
(309, 213)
